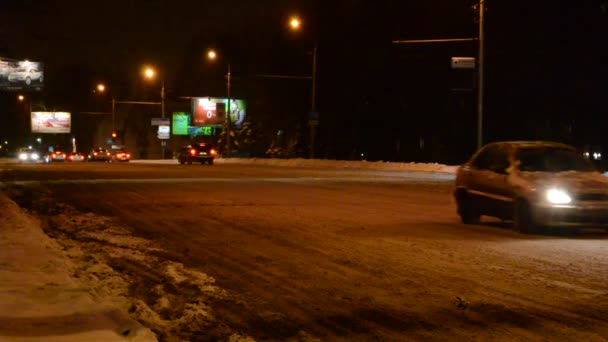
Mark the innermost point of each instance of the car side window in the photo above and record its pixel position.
(493, 158)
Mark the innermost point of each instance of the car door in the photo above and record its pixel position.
(489, 184)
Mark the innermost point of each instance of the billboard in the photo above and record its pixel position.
(181, 121)
(51, 122)
(20, 75)
(212, 111)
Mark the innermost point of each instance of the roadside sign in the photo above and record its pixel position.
(463, 62)
(164, 132)
(161, 121)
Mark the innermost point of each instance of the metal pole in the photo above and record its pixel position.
(162, 114)
(228, 113)
(162, 100)
(480, 78)
(113, 114)
(312, 122)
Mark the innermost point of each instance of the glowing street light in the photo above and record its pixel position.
(211, 54)
(295, 23)
(20, 97)
(101, 88)
(149, 73)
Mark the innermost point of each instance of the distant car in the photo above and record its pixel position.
(533, 183)
(76, 157)
(55, 156)
(203, 153)
(26, 154)
(121, 155)
(100, 154)
(26, 75)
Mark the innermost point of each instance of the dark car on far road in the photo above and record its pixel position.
(202, 153)
(533, 183)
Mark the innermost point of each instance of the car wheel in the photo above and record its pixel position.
(189, 161)
(210, 161)
(522, 217)
(468, 214)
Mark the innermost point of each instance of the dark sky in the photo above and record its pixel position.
(546, 69)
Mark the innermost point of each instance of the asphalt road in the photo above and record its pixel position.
(321, 254)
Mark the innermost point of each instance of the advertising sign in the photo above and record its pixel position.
(181, 121)
(20, 75)
(207, 111)
(212, 111)
(51, 122)
(203, 130)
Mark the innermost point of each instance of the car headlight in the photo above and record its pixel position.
(34, 155)
(557, 196)
(22, 156)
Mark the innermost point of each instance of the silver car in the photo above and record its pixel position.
(533, 183)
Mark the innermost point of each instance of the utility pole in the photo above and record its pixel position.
(480, 64)
(228, 123)
(313, 122)
(480, 77)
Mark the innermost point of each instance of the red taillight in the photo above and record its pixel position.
(192, 151)
(71, 157)
(213, 152)
(128, 155)
(63, 155)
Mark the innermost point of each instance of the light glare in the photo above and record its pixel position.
(149, 72)
(295, 23)
(557, 196)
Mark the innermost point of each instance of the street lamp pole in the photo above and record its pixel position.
(313, 121)
(228, 123)
(162, 99)
(113, 114)
(480, 77)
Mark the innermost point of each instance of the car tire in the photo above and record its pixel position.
(466, 211)
(189, 161)
(522, 217)
(210, 162)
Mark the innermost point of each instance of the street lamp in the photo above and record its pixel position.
(20, 98)
(150, 74)
(212, 56)
(295, 24)
(101, 88)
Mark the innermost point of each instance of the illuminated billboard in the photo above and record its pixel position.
(212, 111)
(181, 121)
(51, 122)
(20, 75)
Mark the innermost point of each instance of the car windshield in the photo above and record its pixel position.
(551, 159)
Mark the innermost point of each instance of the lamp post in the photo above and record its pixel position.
(295, 24)
(101, 88)
(480, 76)
(150, 73)
(212, 56)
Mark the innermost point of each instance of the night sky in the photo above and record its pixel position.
(546, 70)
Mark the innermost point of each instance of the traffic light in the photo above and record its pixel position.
(114, 136)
